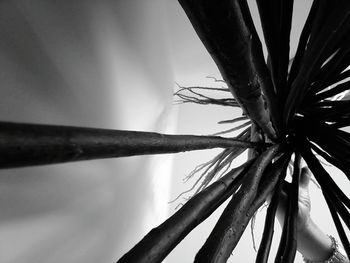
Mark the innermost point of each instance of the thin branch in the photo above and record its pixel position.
(234, 120)
(334, 161)
(290, 246)
(205, 167)
(200, 88)
(216, 80)
(233, 129)
(304, 38)
(200, 98)
(321, 175)
(276, 20)
(326, 37)
(266, 241)
(30, 144)
(212, 168)
(332, 92)
(220, 167)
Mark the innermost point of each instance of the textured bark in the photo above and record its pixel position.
(273, 173)
(270, 183)
(157, 244)
(255, 136)
(29, 144)
(223, 27)
(236, 215)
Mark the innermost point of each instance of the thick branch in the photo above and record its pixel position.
(236, 216)
(266, 241)
(156, 245)
(276, 18)
(29, 144)
(223, 27)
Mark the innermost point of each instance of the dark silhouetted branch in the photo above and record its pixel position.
(225, 28)
(29, 144)
(266, 241)
(235, 217)
(157, 244)
(288, 244)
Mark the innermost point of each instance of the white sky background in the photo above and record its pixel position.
(108, 64)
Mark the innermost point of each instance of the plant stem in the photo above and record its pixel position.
(236, 216)
(266, 241)
(227, 32)
(158, 243)
(290, 247)
(29, 144)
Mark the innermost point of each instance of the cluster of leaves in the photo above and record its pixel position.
(300, 108)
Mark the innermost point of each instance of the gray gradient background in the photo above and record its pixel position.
(108, 64)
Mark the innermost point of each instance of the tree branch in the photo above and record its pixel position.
(266, 240)
(236, 216)
(30, 144)
(224, 29)
(156, 245)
